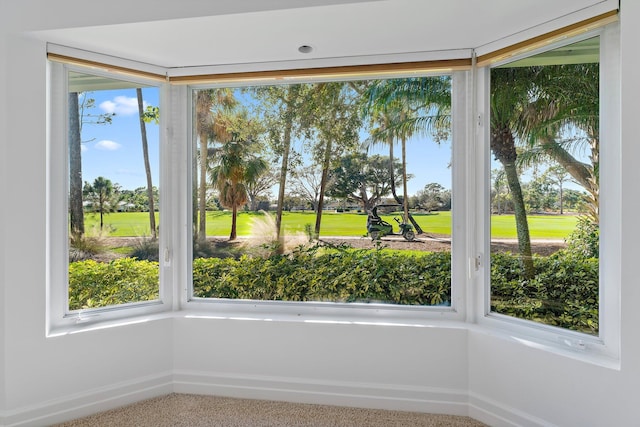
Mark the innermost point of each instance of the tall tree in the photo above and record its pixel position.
(535, 105)
(281, 108)
(101, 195)
(336, 123)
(236, 165)
(79, 106)
(76, 209)
(260, 187)
(363, 179)
(434, 196)
(210, 107)
(511, 90)
(567, 99)
(559, 176)
(149, 115)
(498, 183)
(306, 181)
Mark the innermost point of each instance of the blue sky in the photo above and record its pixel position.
(114, 150)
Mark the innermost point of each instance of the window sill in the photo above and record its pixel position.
(575, 346)
(565, 343)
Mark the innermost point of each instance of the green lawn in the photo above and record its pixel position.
(339, 224)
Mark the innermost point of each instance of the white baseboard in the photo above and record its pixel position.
(299, 390)
(89, 402)
(497, 414)
(304, 390)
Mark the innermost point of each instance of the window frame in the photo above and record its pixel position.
(60, 319)
(356, 312)
(605, 346)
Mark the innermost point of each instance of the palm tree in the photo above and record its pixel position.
(101, 193)
(567, 96)
(511, 95)
(210, 106)
(400, 108)
(236, 166)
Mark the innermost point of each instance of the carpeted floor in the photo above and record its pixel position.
(187, 410)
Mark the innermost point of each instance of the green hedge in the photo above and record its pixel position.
(98, 284)
(336, 276)
(564, 292)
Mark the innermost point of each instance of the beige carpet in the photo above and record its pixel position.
(195, 411)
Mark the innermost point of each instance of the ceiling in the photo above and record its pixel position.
(334, 31)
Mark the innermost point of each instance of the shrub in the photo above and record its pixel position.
(146, 248)
(335, 275)
(564, 291)
(208, 249)
(85, 247)
(97, 284)
(584, 241)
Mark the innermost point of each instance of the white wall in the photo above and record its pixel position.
(3, 127)
(344, 364)
(335, 363)
(38, 372)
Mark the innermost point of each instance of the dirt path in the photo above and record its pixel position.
(432, 243)
(424, 242)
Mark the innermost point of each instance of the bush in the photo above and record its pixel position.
(85, 247)
(146, 248)
(328, 275)
(97, 284)
(564, 291)
(584, 241)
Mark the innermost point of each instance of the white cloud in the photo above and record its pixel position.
(121, 106)
(107, 145)
(83, 148)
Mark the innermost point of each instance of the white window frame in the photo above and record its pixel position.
(357, 312)
(604, 348)
(60, 319)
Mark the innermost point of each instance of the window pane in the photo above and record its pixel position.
(544, 187)
(298, 192)
(113, 193)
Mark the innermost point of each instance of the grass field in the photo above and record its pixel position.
(338, 224)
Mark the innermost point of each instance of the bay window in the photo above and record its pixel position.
(480, 192)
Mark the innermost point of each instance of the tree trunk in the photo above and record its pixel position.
(405, 199)
(392, 174)
(234, 217)
(147, 166)
(284, 169)
(561, 201)
(202, 196)
(582, 173)
(195, 189)
(522, 224)
(503, 147)
(323, 183)
(75, 169)
(578, 170)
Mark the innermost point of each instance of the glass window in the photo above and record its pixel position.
(544, 140)
(113, 165)
(327, 192)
